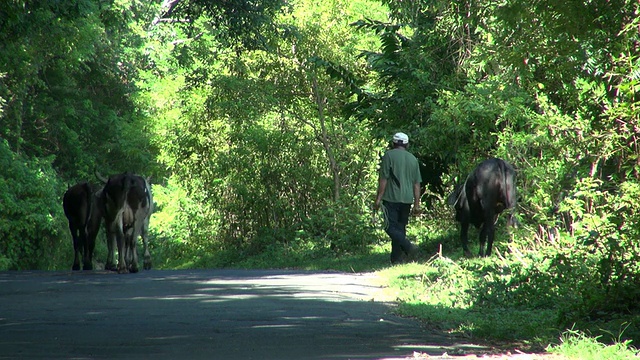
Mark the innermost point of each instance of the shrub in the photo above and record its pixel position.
(32, 222)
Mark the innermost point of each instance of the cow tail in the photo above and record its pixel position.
(463, 188)
(147, 191)
(509, 186)
(89, 197)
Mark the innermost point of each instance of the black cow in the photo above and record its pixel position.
(488, 191)
(127, 204)
(82, 209)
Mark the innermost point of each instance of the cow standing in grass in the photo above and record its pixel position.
(488, 191)
(127, 204)
(82, 209)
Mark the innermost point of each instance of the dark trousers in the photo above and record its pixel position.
(398, 218)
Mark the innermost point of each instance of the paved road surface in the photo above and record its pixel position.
(205, 314)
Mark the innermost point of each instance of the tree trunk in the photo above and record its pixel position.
(323, 136)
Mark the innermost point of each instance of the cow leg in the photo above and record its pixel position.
(90, 245)
(127, 245)
(82, 250)
(111, 245)
(76, 247)
(464, 238)
(131, 254)
(87, 262)
(490, 236)
(147, 255)
(133, 248)
(134, 262)
(122, 247)
(486, 234)
(483, 238)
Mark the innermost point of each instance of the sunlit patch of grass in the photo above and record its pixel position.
(576, 345)
(373, 260)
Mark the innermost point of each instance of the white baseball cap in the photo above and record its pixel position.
(401, 138)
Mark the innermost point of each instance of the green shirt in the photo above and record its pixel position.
(401, 170)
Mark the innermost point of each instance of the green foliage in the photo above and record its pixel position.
(69, 86)
(32, 224)
(452, 296)
(66, 94)
(343, 228)
(239, 24)
(180, 229)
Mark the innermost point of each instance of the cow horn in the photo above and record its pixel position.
(100, 177)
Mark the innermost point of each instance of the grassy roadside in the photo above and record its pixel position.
(460, 297)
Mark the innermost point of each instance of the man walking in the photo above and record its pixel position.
(398, 188)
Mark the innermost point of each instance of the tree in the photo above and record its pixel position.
(261, 140)
(68, 89)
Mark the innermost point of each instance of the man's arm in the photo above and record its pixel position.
(416, 198)
(382, 185)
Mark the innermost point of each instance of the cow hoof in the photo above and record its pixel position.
(133, 268)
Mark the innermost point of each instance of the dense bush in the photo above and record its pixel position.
(32, 223)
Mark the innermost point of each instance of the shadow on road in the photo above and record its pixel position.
(205, 314)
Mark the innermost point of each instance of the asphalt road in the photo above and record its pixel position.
(206, 314)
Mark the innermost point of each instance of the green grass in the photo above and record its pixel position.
(284, 258)
(452, 295)
(576, 345)
(438, 292)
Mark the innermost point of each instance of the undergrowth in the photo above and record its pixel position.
(518, 297)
